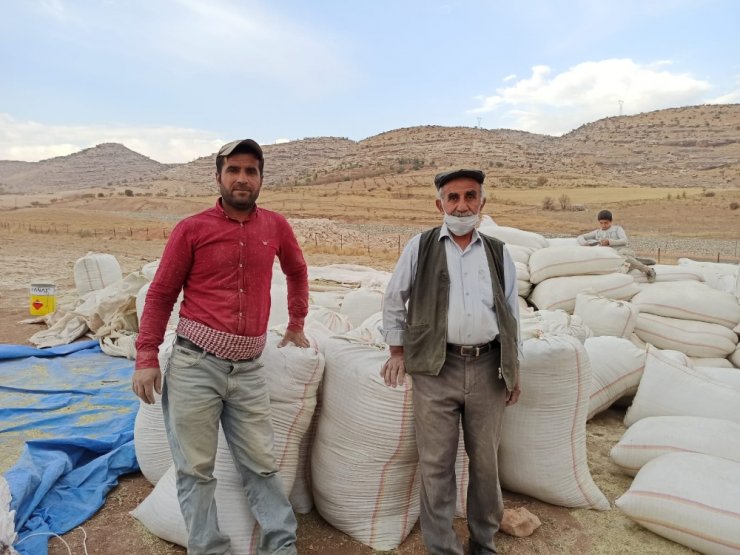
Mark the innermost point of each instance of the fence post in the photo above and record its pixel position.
(399, 244)
(658, 255)
(340, 241)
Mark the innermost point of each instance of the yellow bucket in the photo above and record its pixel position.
(43, 299)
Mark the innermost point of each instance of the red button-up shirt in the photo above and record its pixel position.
(224, 268)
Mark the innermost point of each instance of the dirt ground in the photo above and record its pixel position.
(26, 256)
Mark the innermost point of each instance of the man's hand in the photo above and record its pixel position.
(394, 370)
(297, 338)
(145, 382)
(513, 396)
(604, 242)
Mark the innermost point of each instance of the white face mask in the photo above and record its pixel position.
(461, 225)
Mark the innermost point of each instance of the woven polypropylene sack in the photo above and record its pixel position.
(689, 301)
(96, 271)
(561, 292)
(689, 498)
(364, 462)
(654, 436)
(543, 442)
(669, 388)
(691, 337)
(616, 368)
(562, 261)
(606, 316)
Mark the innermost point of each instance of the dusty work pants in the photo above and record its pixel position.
(634, 264)
(467, 388)
(199, 391)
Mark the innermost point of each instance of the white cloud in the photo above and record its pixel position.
(31, 141)
(556, 103)
(251, 43)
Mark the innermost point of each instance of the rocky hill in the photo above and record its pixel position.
(102, 165)
(697, 145)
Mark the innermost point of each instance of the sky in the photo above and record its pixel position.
(176, 79)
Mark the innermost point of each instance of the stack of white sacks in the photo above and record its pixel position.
(346, 443)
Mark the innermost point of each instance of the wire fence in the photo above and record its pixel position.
(356, 242)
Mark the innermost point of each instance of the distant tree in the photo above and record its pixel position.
(541, 181)
(564, 201)
(128, 193)
(734, 205)
(101, 194)
(548, 203)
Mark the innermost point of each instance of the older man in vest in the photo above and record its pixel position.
(459, 339)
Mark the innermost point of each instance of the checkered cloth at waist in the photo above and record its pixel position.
(220, 343)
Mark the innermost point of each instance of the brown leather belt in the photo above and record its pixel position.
(472, 350)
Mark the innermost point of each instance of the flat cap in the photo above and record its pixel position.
(443, 178)
(243, 144)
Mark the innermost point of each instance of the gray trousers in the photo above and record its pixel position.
(201, 390)
(467, 388)
(629, 256)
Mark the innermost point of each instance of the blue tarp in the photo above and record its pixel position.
(75, 414)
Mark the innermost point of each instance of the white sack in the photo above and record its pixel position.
(720, 276)
(734, 357)
(141, 301)
(669, 272)
(360, 304)
(337, 323)
(278, 305)
(695, 339)
(514, 236)
(7, 519)
(369, 331)
(293, 378)
(658, 435)
(689, 498)
(543, 442)
(689, 301)
(519, 253)
(347, 276)
(552, 322)
(331, 299)
(606, 316)
(364, 463)
(715, 362)
(554, 262)
(96, 271)
(668, 388)
(561, 292)
(616, 368)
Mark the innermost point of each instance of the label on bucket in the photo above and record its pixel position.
(42, 299)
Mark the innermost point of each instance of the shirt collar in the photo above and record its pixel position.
(444, 232)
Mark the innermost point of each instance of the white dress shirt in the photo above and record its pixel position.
(471, 315)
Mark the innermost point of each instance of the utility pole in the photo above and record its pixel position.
(621, 104)
(479, 120)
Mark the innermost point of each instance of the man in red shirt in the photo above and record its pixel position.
(222, 259)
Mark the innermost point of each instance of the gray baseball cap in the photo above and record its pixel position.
(443, 178)
(246, 144)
